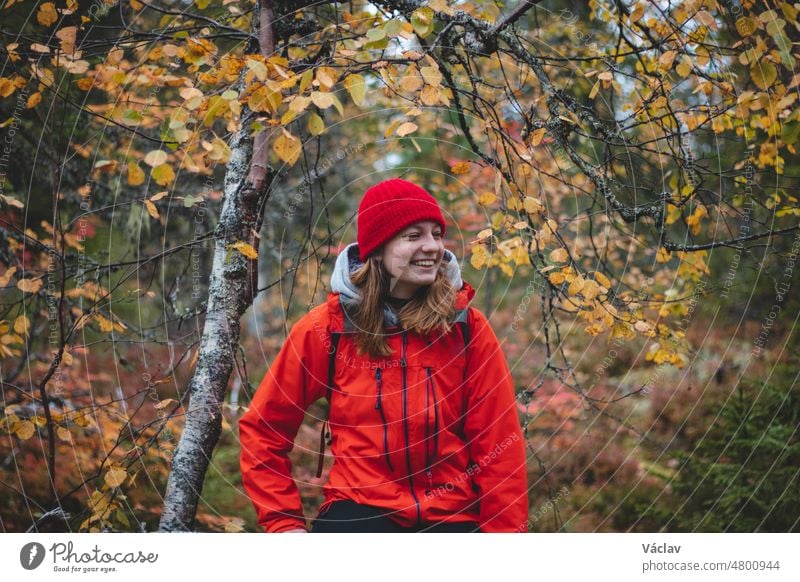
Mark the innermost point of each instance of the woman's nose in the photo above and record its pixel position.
(431, 244)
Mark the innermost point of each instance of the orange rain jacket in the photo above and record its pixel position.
(429, 434)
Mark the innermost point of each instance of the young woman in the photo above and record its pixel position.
(422, 424)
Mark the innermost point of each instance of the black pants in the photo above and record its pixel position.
(352, 517)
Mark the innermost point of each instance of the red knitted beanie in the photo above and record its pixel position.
(390, 206)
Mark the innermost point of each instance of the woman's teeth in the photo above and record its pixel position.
(423, 263)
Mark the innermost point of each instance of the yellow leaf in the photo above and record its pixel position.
(576, 286)
(22, 325)
(299, 104)
(486, 198)
(327, 77)
(6, 277)
(315, 124)
(666, 59)
(532, 205)
(602, 279)
(105, 324)
(480, 256)
(411, 81)
(67, 36)
(25, 429)
(116, 476)
(431, 75)
(392, 127)
(287, 147)
(745, 26)
(262, 100)
(684, 67)
(63, 434)
(536, 136)
(305, 80)
(322, 100)
(422, 21)
(484, 234)
(85, 83)
(663, 255)
(559, 256)
(29, 285)
(705, 17)
(33, 100)
(357, 87)
(259, 69)
(159, 196)
(163, 174)
(337, 104)
(595, 89)
(135, 174)
(151, 208)
(557, 278)
(246, 249)
(164, 403)
(47, 14)
(430, 95)
(406, 128)
(763, 75)
(155, 158)
(590, 289)
(460, 168)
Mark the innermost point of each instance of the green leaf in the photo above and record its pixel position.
(190, 200)
(763, 75)
(790, 132)
(356, 85)
(422, 21)
(377, 39)
(315, 124)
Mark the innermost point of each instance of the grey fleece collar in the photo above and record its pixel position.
(348, 261)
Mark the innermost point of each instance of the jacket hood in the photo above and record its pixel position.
(348, 262)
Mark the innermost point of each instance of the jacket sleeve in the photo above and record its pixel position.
(494, 434)
(267, 430)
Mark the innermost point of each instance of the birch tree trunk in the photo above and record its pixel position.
(233, 282)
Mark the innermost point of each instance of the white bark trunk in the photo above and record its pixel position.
(232, 285)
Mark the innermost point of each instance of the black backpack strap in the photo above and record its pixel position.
(463, 324)
(466, 335)
(325, 431)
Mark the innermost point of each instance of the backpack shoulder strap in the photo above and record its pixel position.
(463, 324)
(325, 431)
(466, 336)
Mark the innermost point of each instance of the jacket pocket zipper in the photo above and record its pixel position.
(403, 365)
(430, 389)
(379, 408)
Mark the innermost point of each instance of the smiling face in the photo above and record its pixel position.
(413, 257)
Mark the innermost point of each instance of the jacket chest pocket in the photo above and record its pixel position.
(439, 395)
(365, 389)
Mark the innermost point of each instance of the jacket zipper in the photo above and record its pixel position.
(405, 423)
(429, 459)
(379, 407)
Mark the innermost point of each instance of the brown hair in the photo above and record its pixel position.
(432, 307)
